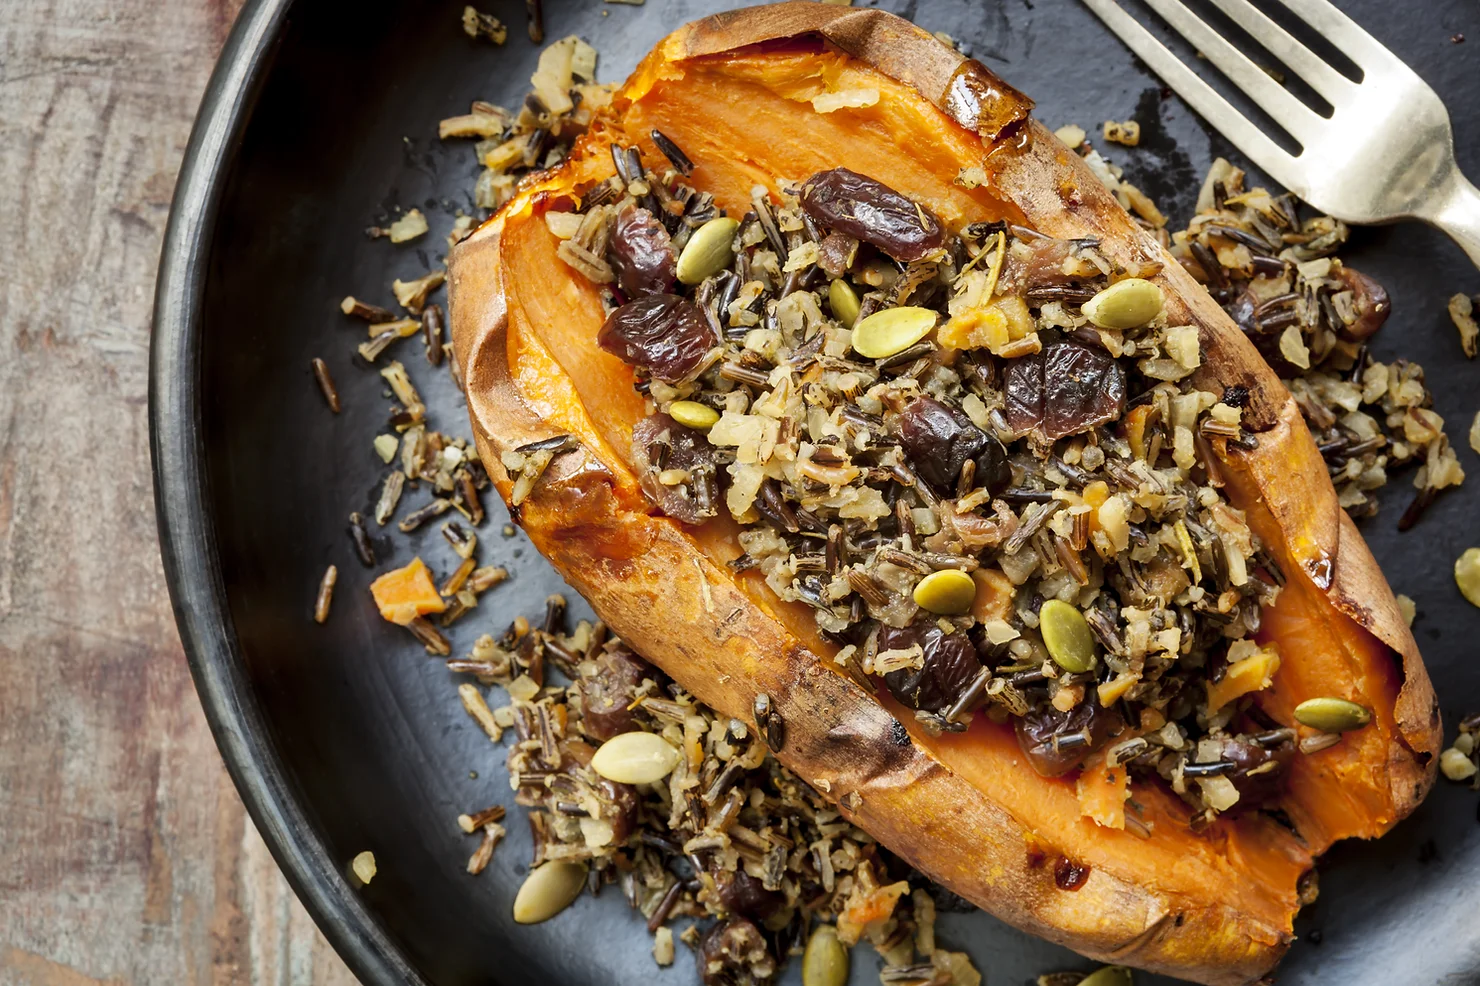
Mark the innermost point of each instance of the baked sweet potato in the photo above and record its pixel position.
(1211, 902)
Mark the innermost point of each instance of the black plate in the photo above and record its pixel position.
(320, 119)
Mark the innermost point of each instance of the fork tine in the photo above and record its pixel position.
(1203, 98)
(1297, 118)
(1321, 77)
(1346, 34)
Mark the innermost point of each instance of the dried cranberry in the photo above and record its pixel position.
(939, 439)
(607, 692)
(951, 663)
(662, 333)
(1369, 301)
(746, 896)
(847, 202)
(1064, 390)
(1069, 875)
(1246, 756)
(1056, 742)
(642, 253)
(695, 501)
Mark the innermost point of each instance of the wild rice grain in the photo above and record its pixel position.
(536, 10)
(363, 310)
(486, 578)
(471, 500)
(326, 594)
(673, 153)
(432, 323)
(416, 518)
(493, 834)
(475, 705)
(326, 383)
(472, 823)
(361, 538)
(430, 637)
(390, 495)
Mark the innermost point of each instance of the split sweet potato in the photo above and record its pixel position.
(740, 93)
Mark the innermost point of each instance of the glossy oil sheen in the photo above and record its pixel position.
(346, 737)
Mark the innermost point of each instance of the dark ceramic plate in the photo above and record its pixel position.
(320, 119)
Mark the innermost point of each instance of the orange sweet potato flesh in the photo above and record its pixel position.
(967, 809)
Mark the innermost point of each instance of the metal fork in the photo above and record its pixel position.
(1385, 153)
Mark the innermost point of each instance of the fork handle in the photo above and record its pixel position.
(1457, 212)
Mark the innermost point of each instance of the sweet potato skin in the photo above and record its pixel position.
(647, 578)
(664, 588)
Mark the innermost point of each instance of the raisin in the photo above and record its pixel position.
(662, 333)
(642, 253)
(1246, 756)
(1066, 389)
(1369, 301)
(693, 502)
(730, 951)
(868, 210)
(743, 894)
(1056, 742)
(619, 808)
(938, 440)
(607, 693)
(951, 663)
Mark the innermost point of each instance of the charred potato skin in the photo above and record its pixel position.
(653, 584)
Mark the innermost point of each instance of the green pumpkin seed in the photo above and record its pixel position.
(549, 889)
(949, 592)
(1332, 715)
(844, 302)
(1467, 575)
(1067, 636)
(1125, 304)
(825, 962)
(635, 758)
(692, 414)
(892, 330)
(1108, 975)
(708, 251)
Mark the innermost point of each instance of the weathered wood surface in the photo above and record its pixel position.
(125, 854)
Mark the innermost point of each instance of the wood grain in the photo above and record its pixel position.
(125, 854)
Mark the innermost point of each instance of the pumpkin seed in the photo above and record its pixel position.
(1125, 304)
(1332, 715)
(949, 592)
(549, 889)
(692, 414)
(1467, 575)
(825, 962)
(363, 866)
(891, 331)
(1067, 636)
(635, 758)
(844, 302)
(1455, 765)
(708, 251)
(1108, 975)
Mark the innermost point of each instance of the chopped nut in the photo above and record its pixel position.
(478, 25)
(1127, 133)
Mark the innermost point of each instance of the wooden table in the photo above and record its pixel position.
(125, 854)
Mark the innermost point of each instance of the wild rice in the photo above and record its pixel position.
(325, 596)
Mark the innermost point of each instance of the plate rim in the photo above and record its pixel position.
(186, 520)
